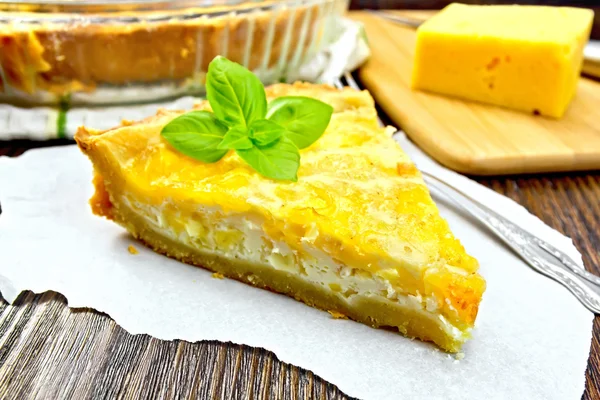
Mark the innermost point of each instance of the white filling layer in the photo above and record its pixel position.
(241, 238)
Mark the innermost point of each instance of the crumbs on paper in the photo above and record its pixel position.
(337, 315)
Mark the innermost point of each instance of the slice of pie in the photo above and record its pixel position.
(358, 234)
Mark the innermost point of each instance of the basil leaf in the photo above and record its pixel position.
(280, 160)
(235, 94)
(196, 134)
(304, 119)
(264, 132)
(236, 138)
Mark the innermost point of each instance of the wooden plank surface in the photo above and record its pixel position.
(471, 137)
(49, 351)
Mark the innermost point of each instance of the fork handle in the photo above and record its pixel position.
(587, 293)
(534, 240)
(517, 240)
(568, 262)
(565, 260)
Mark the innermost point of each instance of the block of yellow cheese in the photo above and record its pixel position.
(526, 58)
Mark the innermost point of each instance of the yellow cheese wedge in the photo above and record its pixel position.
(526, 58)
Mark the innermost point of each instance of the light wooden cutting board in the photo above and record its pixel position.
(470, 137)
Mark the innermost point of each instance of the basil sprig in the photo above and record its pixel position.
(266, 138)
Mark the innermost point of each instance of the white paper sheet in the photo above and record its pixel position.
(531, 340)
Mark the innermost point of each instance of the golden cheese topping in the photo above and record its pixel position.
(358, 196)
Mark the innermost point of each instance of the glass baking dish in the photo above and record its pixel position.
(114, 52)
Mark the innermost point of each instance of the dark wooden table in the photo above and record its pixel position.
(52, 352)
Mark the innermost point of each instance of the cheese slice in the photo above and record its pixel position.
(357, 235)
(526, 58)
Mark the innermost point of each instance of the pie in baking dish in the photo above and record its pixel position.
(62, 54)
(357, 235)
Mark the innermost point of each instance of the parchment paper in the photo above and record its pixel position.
(531, 340)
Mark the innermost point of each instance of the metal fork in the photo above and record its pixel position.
(537, 253)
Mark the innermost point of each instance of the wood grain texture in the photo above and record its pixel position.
(48, 351)
(471, 137)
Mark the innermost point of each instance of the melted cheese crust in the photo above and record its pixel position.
(359, 199)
